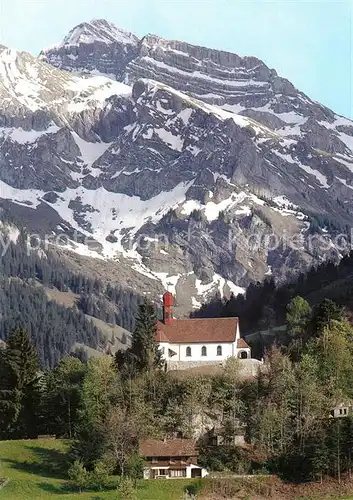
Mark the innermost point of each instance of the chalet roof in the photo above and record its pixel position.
(198, 330)
(168, 448)
(343, 404)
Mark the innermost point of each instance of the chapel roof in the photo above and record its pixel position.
(198, 330)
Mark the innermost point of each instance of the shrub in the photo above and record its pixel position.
(126, 488)
(99, 477)
(193, 489)
(78, 475)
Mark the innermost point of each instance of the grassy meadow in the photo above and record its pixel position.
(36, 470)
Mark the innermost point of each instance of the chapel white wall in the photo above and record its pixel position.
(228, 349)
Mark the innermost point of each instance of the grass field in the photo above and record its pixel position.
(36, 471)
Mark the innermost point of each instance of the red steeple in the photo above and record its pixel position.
(168, 302)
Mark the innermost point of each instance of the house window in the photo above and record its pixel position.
(188, 352)
(219, 350)
(154, 460)
(203, 350)
(178, 473)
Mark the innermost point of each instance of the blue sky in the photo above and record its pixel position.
(308, 42)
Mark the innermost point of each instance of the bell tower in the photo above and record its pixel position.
(168, 302)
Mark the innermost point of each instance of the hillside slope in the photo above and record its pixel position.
(62, 309)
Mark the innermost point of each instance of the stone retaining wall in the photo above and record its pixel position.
(248, 367)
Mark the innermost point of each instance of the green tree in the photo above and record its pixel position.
(119, 438)
(144, 347)
(79, 476)
(233, 404)
(62, 397)
(21, 359)
(135, 467)
(275, 409)
(333, 351)
(9, 400)
(143, 355)
(297, 317)
(19, 386)
(324, 313)
(101, 390)
(311, 402)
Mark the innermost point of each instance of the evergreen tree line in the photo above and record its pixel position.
(107, 405)
(264, 304)
(56, 329)
(50, 271)
(53, 328)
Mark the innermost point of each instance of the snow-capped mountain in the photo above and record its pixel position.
(243, 85)
(178, 162)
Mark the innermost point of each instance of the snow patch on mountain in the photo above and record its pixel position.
(198, 75)
(173, 141)
(318, 175)
(94, 90)
(26, 136)
(90, 151)
(23, 85)
(108, 212)
(344, 182)
(116, 213)
(26, 197)
(217, 285)
(169, 282)
(236, 201)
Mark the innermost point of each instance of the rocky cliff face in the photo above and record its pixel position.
(243, 85)
(197, 171)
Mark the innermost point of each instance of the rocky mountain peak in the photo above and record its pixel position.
(97, 47)
(98, 31)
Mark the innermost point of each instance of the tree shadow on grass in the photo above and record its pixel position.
(64, 488)
(67, 489)
(49, 463)
(54, 488)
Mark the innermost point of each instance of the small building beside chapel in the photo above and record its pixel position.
(199, 340)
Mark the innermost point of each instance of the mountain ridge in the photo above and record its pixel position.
(173, 177)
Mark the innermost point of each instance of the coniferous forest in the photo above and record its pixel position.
(54, 328)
